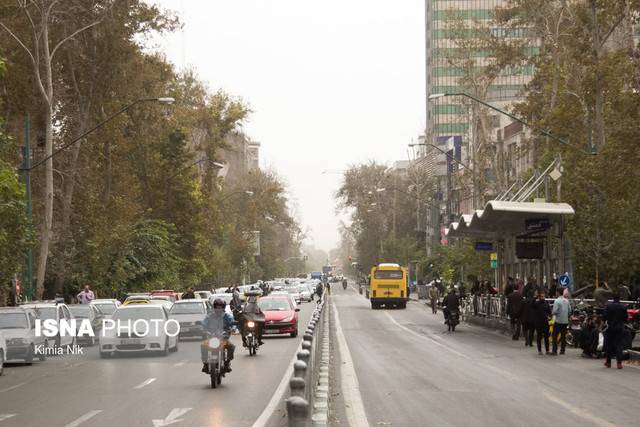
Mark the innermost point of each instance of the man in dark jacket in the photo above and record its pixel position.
(450, 303)
(541, 312)
(189, 294)
(527, 318)
(514, 308)
(615, 314)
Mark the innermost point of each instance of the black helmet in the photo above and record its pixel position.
(219, 302)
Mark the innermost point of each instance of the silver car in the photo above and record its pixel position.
(188, 313)
(17, 326)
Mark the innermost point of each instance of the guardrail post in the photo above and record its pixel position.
(298, 411)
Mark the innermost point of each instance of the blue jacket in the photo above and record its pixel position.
(215, 323)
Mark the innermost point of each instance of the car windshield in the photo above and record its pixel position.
(46, 313)
(13, 321)
(81, 311)
(292, 290)
(274, 304)
(188, 308)
(107, 308)
(138, 313)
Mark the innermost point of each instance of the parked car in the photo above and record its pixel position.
(3, 352)
(189, 313)
(94, 315)
(17, 325)
(131, 341)
(106, 306)
(56, 311)
(281, 315)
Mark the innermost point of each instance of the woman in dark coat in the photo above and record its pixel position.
(541, 314)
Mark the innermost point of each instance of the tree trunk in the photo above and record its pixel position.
(45, 236)
(598, 89)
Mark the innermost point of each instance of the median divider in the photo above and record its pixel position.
(309, 383)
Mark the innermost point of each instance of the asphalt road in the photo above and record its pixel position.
(411, 372)
(85, 390)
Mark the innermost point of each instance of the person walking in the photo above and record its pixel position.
(560, 313)
(514, 309)
(541, 314)
(615, 314)
(433, 299)
(527, 318)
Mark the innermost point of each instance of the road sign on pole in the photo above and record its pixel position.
(564, 280)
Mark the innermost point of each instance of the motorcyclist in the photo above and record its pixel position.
(319, 289)
(344, 283)
(218, 323)
(236, 303)
(252, 312)
(450, 304)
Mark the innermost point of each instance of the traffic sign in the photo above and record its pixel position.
(494, 263)
(484, 246)
(564, 280)
(494, 256)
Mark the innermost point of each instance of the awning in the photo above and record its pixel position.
(502, 219)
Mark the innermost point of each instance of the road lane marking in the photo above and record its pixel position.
(84, 418)
(6, 416)
(354, 407)
(144, 383)
(277, 395)
(172, 418)
(580, 412)
(424, 337)
(12, 387)
(180, 363)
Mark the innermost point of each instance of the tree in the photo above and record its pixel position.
(49, 31)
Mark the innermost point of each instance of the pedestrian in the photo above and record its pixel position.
(527, 319)
(589, 337)
(433, 299)
(189, 294)
(86, 296)
(520, 286)
(541, 314)
(615, 314)
(560, 313)
(475, 291)
(514, 309)
(602, 294)
(553, 286)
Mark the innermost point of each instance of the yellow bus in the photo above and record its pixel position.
(388, 286)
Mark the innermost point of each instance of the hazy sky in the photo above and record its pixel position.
(331, 83)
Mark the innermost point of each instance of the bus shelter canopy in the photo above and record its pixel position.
(503, 219)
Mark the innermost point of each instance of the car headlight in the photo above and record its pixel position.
(288, 319)
(16, 341)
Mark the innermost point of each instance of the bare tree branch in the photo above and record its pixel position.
(72, 35)
(33, 60)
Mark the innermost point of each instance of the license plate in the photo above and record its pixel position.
(271, 331)
(130, 341)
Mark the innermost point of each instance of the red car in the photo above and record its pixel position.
(281, 317)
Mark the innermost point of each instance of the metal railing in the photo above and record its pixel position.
(306, 369)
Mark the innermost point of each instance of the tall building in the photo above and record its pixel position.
(457, 53)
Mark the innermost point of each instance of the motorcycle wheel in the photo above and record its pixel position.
(570, 341)
(252, 348)
(220, 378)
(214, 377)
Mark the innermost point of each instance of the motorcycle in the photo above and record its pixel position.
(452, 320)
(250, 339)
(344, 285)
(575, 328)
(216, 356)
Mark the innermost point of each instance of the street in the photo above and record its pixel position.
(412, 372)
(141, 391)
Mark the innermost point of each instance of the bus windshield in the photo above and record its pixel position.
(388, 274)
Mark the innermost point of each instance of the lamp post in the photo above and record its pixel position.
(26, 168)
(516, 118)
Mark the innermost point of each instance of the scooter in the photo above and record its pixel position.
(452, 320)
(216, 357)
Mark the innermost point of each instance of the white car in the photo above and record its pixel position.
(17, 326)
(189, 312)
(106, 306)
(203, 294)
(287, 294)
(135, 340)
(3, 352)
(305, 292)
(294, 292)
(56, 311)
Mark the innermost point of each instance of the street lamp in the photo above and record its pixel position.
(26, 168)
(516, 118)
